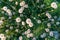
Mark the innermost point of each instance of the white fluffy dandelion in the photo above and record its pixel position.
(48, 24)
(47, 30)
(48, 15)
(31, 25)
(54, 5)
(25, 6)
(38, 21)
(20, 38)
(4, 8)
(2, 37)
(27, 32)
(28, 20)
(51, 33)
(21, 10)
(18, 19)
(11, 27)
(2, 18)
(9, 12)
(57, 23)
(23, 23)
(43, 35)
(29, 35)
(16, 3)
(22, 3)
(16, 30)
(6, 30)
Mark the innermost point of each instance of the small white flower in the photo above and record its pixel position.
(28, 21)
(25, 6)
(30, 35)
(2, 18)
(57, 23)
(51, 33)
(25, 32)
(22, 3)
(48, 15)
(38, 21)
(52, 20)
(16, 30)
(1, 22)
(6, 30)
(20, 38)
(23, 23)
(18, 19)
(54, 5)
(28, 31)
(9, 17)
(31, 25)
(43, 35)
(2, 37)
(48, 24)
(11, 27)
(21, 10)
(47, 29)
(9, 12)
(16, 3)
(4, 8)
(34, 38)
